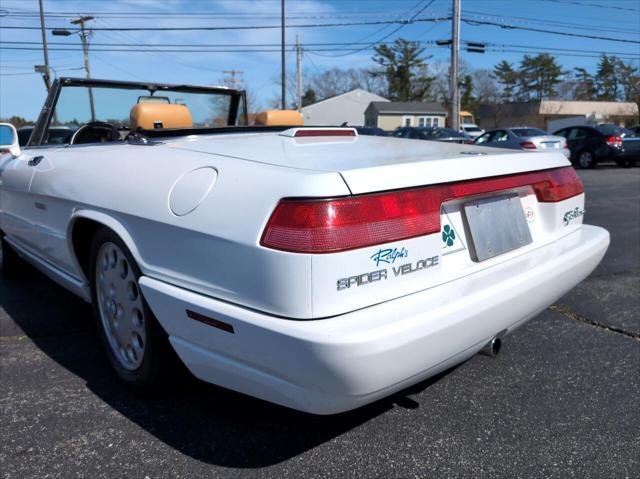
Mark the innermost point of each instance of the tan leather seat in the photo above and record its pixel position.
(279, 118)
(149, 116)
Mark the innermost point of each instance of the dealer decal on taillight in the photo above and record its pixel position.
(329, 225)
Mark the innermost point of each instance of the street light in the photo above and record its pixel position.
(63, 32)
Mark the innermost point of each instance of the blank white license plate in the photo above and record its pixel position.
(497, 226)
(550, 144)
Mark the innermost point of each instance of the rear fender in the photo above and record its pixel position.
(109, 222)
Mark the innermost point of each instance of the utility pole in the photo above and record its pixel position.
(282, 60)
(233, 72)
(455, 49)
(84, 36)
(298, 73)
(45, 74)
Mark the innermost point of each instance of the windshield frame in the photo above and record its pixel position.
(238, 101)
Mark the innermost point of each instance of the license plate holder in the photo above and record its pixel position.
(497, 225)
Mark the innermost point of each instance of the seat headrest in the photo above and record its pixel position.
(279, 118)
(149, 116)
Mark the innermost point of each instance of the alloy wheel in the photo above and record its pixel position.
(585, 160)
(122, 312)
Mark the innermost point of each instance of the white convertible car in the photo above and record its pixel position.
(306, 266)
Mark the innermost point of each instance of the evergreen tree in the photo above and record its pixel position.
(538, 77)
(585, 85)
(507, 77)
(629, 81)
(467, 100)
(309, 97)
(606, 79)
(402, 64)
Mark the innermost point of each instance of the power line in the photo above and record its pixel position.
(205, 15)
(472, 22)
(560, 54)
(547, 22)
(141, 44)
(380, 30)
(468, 21)
(505, 49)
(212, 47)
(171, 58)
(239, 27)
(369, 46)
(36, 73)
(596, 5)
(557, 49)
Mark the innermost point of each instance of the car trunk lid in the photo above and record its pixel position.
(368, 163)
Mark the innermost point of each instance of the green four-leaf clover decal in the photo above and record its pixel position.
(448, 235)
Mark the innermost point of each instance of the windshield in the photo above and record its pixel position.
(521, 132)
(128, 108)
(471, 128)
(445, 133)
(613, 130)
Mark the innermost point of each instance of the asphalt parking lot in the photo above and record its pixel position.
(561, 400)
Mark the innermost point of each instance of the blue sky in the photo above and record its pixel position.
(22, 92)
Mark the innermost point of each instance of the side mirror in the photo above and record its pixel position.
(9, 140)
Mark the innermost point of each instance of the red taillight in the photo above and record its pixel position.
(324, 226)
(559, 185)
(528, 145)
(613, 140)
(339, 224)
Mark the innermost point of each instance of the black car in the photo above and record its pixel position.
(432, 133)
(370, 131)
(57, 134)
(590, 145)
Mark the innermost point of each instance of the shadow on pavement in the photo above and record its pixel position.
(208, 423)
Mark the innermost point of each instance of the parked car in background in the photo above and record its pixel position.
(431, 133)
(590, 145)
(24, 133)
(370, 131)
(57, 134)
(474, 131)
(524, 138)
(635, 129)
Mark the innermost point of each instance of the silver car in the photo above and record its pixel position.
(524, 138)
(474, 131)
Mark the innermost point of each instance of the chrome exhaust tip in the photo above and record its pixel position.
(492, 348)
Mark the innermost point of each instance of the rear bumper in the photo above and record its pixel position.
(340, 363)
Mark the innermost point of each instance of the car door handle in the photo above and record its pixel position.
(35, 160)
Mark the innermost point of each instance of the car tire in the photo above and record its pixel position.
(586, 159)
(9, 259)
(137, 347)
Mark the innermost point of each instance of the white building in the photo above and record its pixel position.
(348, 107)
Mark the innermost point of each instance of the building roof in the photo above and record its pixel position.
(358, 95)
(407, 107)
(562, 108)
(609, 108)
